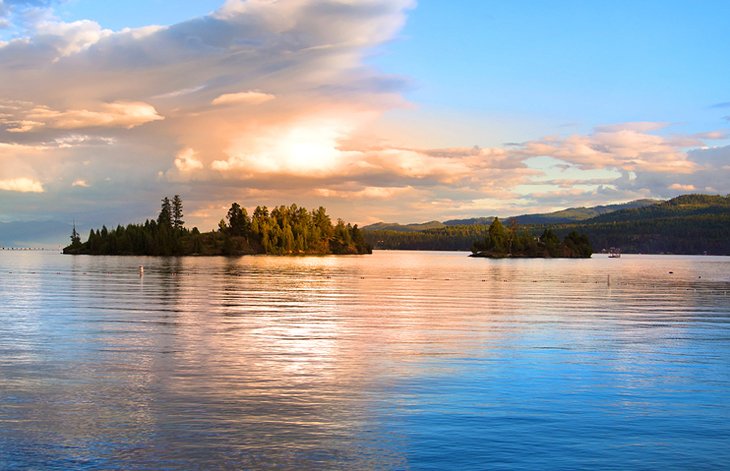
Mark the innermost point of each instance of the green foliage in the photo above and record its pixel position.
(393, 226)
(578, 244)
(550, 242)
(688, 224)
(284, 230)
(447, 238)
(501, 242)
(238, 222)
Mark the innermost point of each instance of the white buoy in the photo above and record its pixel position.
(141, 270)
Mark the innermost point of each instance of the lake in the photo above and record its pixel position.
(399, 360)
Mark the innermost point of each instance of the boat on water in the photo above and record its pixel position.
(614, 252)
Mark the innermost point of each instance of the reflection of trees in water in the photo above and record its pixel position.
(270, 356)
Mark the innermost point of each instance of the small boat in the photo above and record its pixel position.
(613, 252)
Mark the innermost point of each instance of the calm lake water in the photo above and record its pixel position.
(399, 360)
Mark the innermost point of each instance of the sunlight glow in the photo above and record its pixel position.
(305, 148)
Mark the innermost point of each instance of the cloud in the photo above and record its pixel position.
(638, 126)
(267, 102)
(712, 135)
(73, 87)
(725, 104)
(186, 161)
(180, 92)
(70, 38)
(19, 17)
(368, 192)
(246, 98)
(628, 147)
(681, 187)
(78, 140)
(28, 118)
(21, 185)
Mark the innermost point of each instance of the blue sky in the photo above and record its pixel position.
(135, 13)
(377, 109)
(566, 64)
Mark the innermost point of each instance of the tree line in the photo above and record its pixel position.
(512, 241)
(688, 224)
(285, 230)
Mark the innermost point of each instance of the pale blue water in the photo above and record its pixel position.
(399, 360)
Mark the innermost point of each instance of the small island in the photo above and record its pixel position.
(502, 242)
(285, 230)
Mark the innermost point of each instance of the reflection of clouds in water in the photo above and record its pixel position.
(348, 361)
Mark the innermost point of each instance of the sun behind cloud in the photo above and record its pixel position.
(270, 101)
(248, 98)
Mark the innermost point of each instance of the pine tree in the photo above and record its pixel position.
(238, 221)
(165, 217)
(177, 212)
(75, 237)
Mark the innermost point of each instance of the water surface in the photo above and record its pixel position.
(399, 360)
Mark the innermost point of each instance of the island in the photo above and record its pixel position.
(284, 230)
(503, 242)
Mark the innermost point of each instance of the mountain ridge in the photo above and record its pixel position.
(693, 224)
(562, 216)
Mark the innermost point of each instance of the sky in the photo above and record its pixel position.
(379, 110)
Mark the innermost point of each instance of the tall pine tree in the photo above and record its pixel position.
(165, 217)
(177, 212)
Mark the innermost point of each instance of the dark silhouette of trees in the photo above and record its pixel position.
(285, 230)
(177, 213)
(550, 242)
(165, 217)
(500, 242)
(238, 221)
(688, 224)
(75, 237)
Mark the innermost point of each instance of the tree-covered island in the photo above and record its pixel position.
(284, 230)
(501, 242)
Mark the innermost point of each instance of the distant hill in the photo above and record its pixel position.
(48, 234)
(470, 221)
(581, 214)
(557, 217)
(688, 224)
(394, 226)
(681, 206)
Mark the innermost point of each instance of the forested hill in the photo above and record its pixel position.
(688, 224)
(581, 214)
(681, 206)
(557, 217)
(285, 230)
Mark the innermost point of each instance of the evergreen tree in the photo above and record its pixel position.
(284, 230)
(550, 241)
(75, 237)
(177, 213)
(498, 235)
(165, 217)
(238, 222)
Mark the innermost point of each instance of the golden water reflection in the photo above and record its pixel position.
(309, 362)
